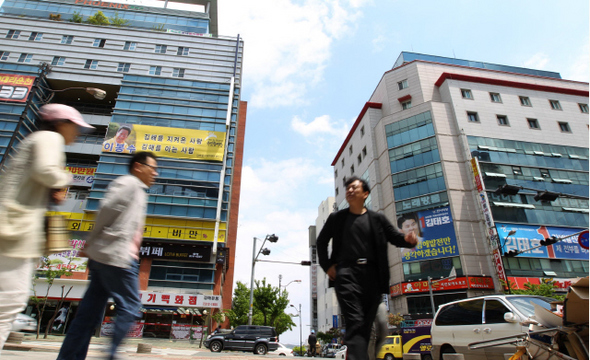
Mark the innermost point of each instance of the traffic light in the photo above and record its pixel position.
(511, 253)
(507, 189)
(546, 196)
(549, 241)
(265, 251)
(305, 263)
(272, 238)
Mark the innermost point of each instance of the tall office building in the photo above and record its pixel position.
(172, 87)
(479, 160)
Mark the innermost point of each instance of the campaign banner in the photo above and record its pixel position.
(460, 283)
(200, 253)
(165, 142)
(186, 300)
(70, 259)
(435, 231)
(81, 176)
(529, 236)
(15, 88)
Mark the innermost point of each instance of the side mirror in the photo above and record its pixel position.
(511, 318)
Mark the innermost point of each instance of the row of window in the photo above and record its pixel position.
(524, 100)
(524, 147)
(502, 120)
(100, 43)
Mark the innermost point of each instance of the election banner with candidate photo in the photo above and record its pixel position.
(165, 142)
(435, 231)
(527, 239)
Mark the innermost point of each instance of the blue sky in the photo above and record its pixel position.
(309, 67)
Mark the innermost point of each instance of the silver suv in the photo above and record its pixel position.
(460, 323)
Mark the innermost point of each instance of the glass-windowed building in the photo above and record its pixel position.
(172, 87)
(482, 161)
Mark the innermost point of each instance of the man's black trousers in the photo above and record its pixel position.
(359, 298)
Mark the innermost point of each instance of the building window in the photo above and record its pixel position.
(155, 70)
(99, 43)
(25, 58)
(495, 97)
(533, 123)
(545, 173)
(183, 51)
(402, 84)
(58, 61)
(525, 101)
(502, 119)
(472, 116)
(335, 173)
(344, 182)
(359, 159)
(342, 163)
(406, 105)
(13, 34)
(4, 55)
(161, 49)
(35, 36)
(555, 105)
(517, 170)
(91, 64)
(583, 108)
(350, 150)
(67, 39)
(123, 67)
(365, 151)
(363, 128)
(129, 45)
(564, 127)
(351, 170)
(336, 191)
(178, 72)
(466, 94)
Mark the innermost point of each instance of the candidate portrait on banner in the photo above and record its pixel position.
(120, 138)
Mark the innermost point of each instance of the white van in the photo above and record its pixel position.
(460, 323)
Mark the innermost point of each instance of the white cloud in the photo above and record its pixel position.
(578, 68)
(286, 43)
(538, 61)
(320, 125)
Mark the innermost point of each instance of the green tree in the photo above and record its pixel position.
(116, 20)
(77, 17)
(545, 288)
(268, 307)
(299, 350)
(98, 19)
(324, 338)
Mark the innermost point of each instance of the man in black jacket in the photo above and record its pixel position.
(312, 340)
(358, 267)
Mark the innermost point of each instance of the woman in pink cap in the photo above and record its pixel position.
(35, 175)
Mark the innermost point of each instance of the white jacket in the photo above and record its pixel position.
(38, 167)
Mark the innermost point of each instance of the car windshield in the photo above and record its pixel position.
(524, 304)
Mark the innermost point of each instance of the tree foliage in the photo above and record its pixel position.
(98, 19)
(545, 288)
(269, 305)
(77, 17)
(118, 21)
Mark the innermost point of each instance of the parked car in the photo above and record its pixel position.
(258, 339)
(460, 323)
(24, 323)
(282, 350)
(341, 354)
(329, 350)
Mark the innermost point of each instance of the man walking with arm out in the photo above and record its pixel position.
(113, 252)
(358, 266)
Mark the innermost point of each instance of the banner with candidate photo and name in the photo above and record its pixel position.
(165, 142)
(435, 231)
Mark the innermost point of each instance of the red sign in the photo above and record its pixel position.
(583, 239)
(395, 290)
(15, 88)
(499, 265)
(460, 283)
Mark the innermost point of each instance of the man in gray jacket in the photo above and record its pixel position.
(113, 250)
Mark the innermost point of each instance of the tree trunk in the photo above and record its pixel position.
(57, 308)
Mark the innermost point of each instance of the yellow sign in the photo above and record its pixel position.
(165, 142)
(156, 228)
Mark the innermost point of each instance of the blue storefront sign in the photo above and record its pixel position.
(529, 236)
(435, 232)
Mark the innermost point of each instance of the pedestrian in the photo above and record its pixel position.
(312, 340)
(358, 266)
(217, 330)
(113, 252)
(33, 177)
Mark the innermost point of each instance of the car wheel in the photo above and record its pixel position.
(282, 354)
(260, 349)
(215, 346)
(447, 349)
(388, 357)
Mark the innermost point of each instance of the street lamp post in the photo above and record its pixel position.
(452, 276)
(501, 250)
(289, 283)
(300, 334)
(272, 238)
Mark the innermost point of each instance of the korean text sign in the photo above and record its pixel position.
(15, 87)
(530, 236)
(165, 142)
(435, 231)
